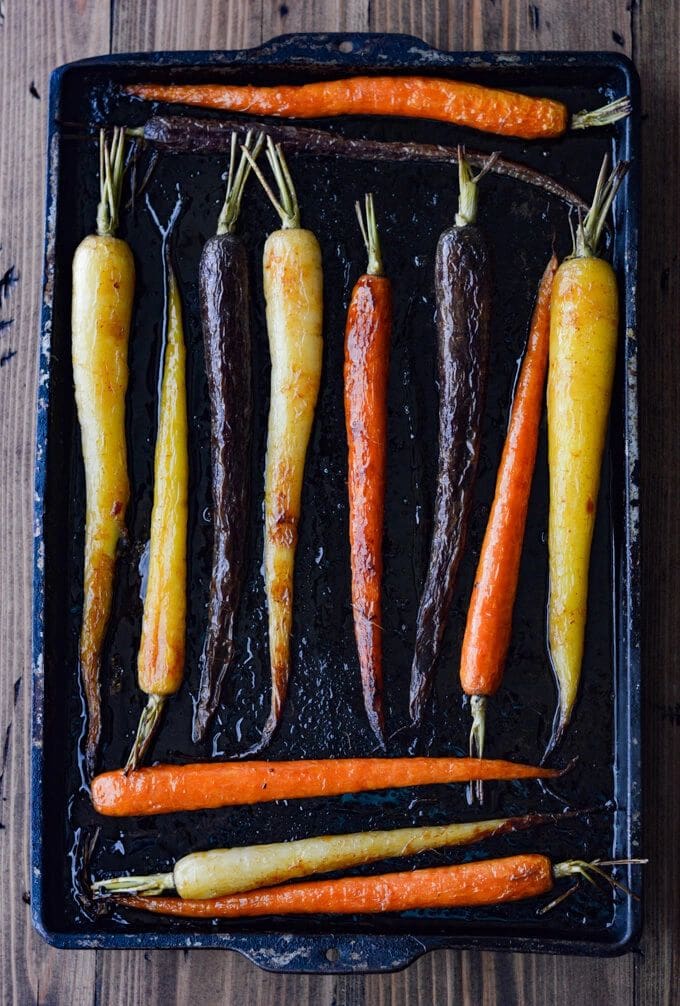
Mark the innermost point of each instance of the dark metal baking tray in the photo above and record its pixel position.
(324, 715)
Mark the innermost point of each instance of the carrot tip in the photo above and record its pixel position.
(568, 767)
(265, 738)
(377, 728)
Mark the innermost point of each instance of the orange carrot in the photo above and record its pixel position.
(486, 882)
(367, 341)
(489, 619)
(485, 108)
(162, 789)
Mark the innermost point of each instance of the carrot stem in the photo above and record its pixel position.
(111, 170)
(468, 198)
(236, 182)
(154, 883)
(149, 721)
(589, 231)
(286, 205)
(369, 232)
(478, 710)
(604, 116)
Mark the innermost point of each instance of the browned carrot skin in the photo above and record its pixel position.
(103, 291)
(487, 882)
(367, 341)
(164, 789)
(484, 108)
(366, 365)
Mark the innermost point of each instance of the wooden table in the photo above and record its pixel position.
(37, 35)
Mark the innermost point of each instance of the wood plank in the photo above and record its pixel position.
(174, 24)
(508, 24)
(657, 47)
(34, 38)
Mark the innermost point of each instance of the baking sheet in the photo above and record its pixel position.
(324, 712)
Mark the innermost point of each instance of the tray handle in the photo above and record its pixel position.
(359, 954)
(343, 48)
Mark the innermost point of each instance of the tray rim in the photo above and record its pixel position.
(358, 953)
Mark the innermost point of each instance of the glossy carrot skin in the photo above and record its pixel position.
(179, 134)
(219, 872)
(103, 292)
(223, 291)
(160, 662)
(163, 789)
(293, 289)
(463, 289)
(484, 108)
(367, 340)
(487, 882)
(489, 619)
(583, 338)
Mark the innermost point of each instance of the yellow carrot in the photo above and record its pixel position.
(160, 662)
(583, 335)
(293, 290)
(103, 291)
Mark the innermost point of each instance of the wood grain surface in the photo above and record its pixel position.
(37, 35)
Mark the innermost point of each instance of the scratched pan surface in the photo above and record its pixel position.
(324, 714)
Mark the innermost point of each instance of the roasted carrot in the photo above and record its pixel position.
(223, 289)
(293, 290)
(230, 871)
(103, 291)
(160, 661)
(178, 134)
(163, 789)
(367, 339)
(489, 618)
(466, 885)
(584, 321)
(489, 109)
(463, 308)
